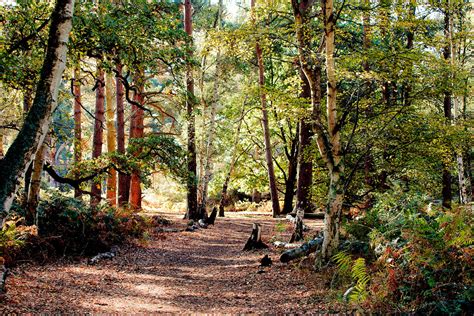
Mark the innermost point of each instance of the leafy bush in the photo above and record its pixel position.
(75, 228)
(67, 226)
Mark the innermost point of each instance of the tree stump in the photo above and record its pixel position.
(212, 217)
(298, 232)
(255, 241)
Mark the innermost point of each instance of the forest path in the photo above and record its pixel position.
(204, 271)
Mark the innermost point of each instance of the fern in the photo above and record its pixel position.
(358, 272)
(361, 279)
(343, 261)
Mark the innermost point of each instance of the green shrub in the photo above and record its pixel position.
(75, 228)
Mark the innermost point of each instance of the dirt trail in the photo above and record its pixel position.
(186, 272)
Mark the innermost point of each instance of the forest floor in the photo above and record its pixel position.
(204, 271)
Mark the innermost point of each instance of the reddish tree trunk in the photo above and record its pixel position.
(136, 131)
(98, 131)
(77, 123)
(123, 179)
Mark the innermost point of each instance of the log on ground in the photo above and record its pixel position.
(304, 250)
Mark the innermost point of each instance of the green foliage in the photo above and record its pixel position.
(357, 270)
(72, 227)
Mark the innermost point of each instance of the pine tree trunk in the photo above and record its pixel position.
(111, 139)
(32, 134)
(123, 179)
(77, 123)
(192, 204)
(136, 131)
(96, 188)
(266, 128)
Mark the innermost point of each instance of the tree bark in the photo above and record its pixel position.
(292, 175)
(32, 134)
(447, 109)
(265, 125)
(305, 161)
(136, 131)
(464, 196)
(334, 157)
(111, 139)
(26, 107)
(96, 188)
(35, 184)
(123, 179)
(192, 204)
(209, 150)
(77, 123)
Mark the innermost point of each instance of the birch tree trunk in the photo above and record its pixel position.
(211, 131)
(32, 134)
(192, 204)
(464, 196)
(111, 138)
(265, 125)
(96, 188)
(35, 184)
(334, 160)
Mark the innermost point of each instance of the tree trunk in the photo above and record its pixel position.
(96, 187)
(2, 154)
(265, 125)
(305, 161)
(292, 175)
(464, 196)
(136, 131)
(334, 156)
(123, 179)
(209, 150)
(233, 160)
(111, 138)
(192, 205)
(77, 123)
(35, 185)
(26, 107)
(32, 134)
(447, 106)
(210, 139)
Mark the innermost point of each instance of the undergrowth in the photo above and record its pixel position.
(68, 227)
(423, 259)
